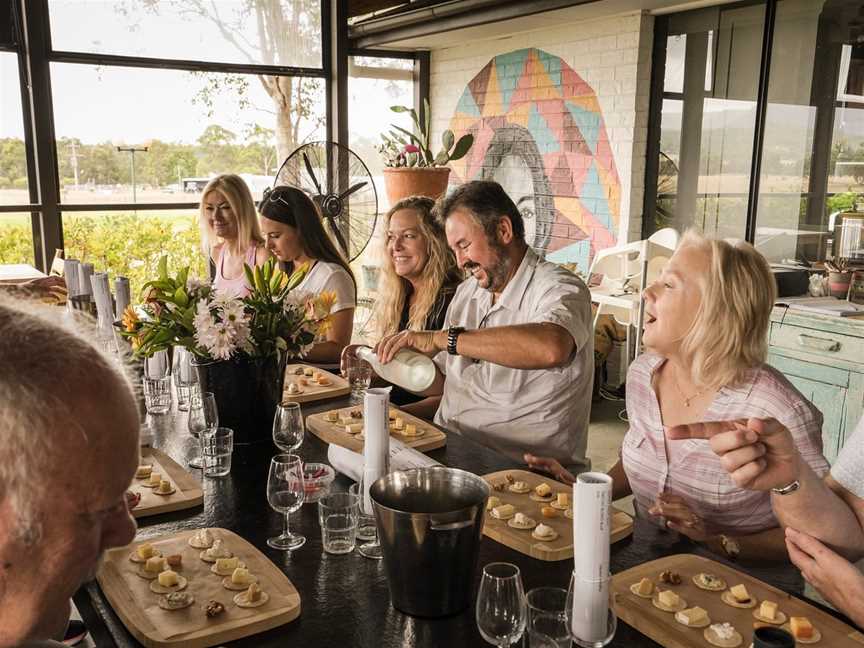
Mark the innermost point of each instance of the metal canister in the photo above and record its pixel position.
(429, 525)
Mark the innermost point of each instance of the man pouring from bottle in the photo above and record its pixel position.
(515, 358)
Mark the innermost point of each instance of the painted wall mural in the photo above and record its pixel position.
(539, 131)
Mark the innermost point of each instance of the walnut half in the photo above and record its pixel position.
(670, 577)
(213, 609)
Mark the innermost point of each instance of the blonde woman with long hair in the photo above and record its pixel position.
(230, 234)
(418, 275)
(706, 333)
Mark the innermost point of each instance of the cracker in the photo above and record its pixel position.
(712, 638)
(729, 600)
(227, 583)
(240, 600)
(156, 588)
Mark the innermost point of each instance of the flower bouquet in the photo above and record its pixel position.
(240, 344)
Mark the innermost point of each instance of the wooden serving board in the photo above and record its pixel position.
(136, 605)
(188, 493)
(312, 392)
(662, 627)
(521, 540)
(335, 433)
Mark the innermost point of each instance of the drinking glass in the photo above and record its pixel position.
(217, 445)
(157, 365)
(593, 628)
(372, 547)
(157, 395)
(185, 380)
(285, 493)
(366, 529)
(203, 416)
(288, 427)
(359, 374)
(501, 610)
(337, 515)
(546, 614)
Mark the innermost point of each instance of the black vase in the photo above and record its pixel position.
(247, 391)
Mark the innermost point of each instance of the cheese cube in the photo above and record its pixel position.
(154, 564)
(168, 578)
(410, 430)
(398, 424)
(493, 502)
(563, 499)
(740, 593)
(332, 417)
(543, 489)
(155, 478)
(505, 510)
(345, 419)
(692, 616)
(227, 564)
(145, 551)
(354, 428)
(253, 593)
(549, 511)
(645, 587)
(768, 610)
(164, 486)
(668, 598)
(240, 576)
(307, 371)
(801, 627)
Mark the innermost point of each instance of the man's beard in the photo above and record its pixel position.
(497, 273)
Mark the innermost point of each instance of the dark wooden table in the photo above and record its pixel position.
(345, 601)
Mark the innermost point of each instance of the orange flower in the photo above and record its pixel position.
(319, 307)
(130, 319)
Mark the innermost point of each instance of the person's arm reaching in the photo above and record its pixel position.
(760, 454)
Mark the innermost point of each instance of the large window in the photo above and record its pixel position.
(214, 123)
(808, 128)
(265, 32)
(146, 102)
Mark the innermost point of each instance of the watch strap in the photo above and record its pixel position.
(452, 336)
(788, 488)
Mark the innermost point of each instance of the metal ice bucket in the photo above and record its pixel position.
(429, 525)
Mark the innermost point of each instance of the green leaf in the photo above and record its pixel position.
(413, 137)
(447, 140)
(442, 158)
(399, 109)
(462, 147)
(162, 268)
(180, 297)
(427, 113)
(250, 278)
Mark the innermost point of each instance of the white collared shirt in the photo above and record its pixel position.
(541, 411)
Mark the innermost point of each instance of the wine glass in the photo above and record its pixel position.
(203, 416)
(501, 610)
(185, 380)
(288, 427)
(285, 493)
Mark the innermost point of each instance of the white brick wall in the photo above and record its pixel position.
(612, 55)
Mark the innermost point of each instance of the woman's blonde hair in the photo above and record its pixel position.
(729, 335)
(440, 268)
(242, 206)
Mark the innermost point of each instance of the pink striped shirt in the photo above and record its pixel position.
(690, 469)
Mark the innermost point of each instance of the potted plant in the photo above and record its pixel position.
(240, 345)
(839, 278)
(411, 168)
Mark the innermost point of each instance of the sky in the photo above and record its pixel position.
(134, 105)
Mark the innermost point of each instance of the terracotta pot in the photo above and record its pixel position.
(402, 182)
(838, 284)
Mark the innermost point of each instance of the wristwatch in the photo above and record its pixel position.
(452, 335)
(730, 546)
(788, 488)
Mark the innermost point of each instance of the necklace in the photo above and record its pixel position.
(687, 399)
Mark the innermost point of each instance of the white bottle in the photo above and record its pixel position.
(409, 369)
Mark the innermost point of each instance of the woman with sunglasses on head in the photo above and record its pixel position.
(418, 276)
(294, 233)
(230, 235)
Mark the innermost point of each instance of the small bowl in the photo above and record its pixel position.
(317, 478)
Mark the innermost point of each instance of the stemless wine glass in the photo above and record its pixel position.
(372, 547)
(288, 427)
(185, 380)
(285, 493)
(501, 610)
(591, 618)
(203, 416)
